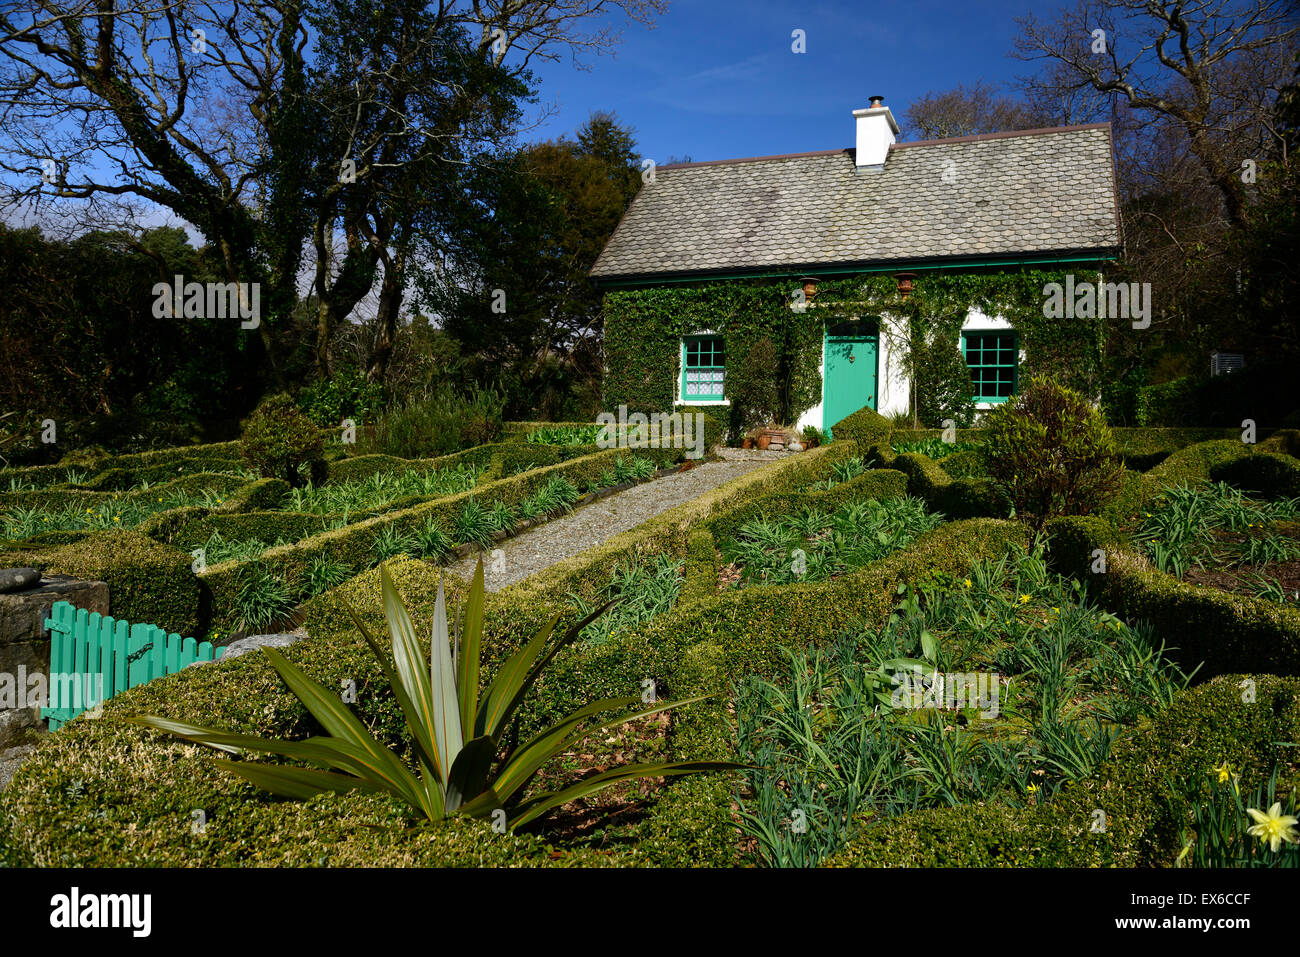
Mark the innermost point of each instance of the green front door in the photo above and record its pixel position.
(850, 379)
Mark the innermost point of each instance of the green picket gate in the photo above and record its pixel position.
(94, 656)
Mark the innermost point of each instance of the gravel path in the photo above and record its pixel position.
(598, 521)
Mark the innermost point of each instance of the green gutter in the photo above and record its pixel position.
(843, 270)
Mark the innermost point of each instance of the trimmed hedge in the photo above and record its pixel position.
(900, 436)
(1193, 463)
(50, 822)
(68, 495)
(1286, 441)
(257, 495)
(1144, 448)
(700, 571)
(1264, 473)
(1202, 728)
(1220, 631)
(955, 498)
(148, 582)
(866, 427)
(352, 545)
(361, 467)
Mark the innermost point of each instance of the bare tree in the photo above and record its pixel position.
(1202, 66)
(217, 111)
(968, 111)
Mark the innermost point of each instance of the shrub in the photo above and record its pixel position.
(1051, 453)
(445, 422)
(752, 387)
(943, 381)
(866, 427)
(279, 440)
(148, 583)
(1266, 473)
(347, 394)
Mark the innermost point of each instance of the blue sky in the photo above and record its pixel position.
(717, 79)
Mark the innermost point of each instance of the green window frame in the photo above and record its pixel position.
(993, 356)
(704, 361)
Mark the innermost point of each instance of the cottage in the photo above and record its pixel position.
(804, 287)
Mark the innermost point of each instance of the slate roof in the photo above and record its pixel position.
(1031, 194)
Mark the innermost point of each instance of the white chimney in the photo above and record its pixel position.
(876, 131)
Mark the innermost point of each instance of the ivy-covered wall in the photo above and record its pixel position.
(644, 325)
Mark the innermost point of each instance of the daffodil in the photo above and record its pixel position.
(1056, 611)
(1032, 788)
(1224, 771)
(1274, 827)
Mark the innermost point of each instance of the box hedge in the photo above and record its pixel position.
(865, 427)
(955, 498)
(1263, 473)
(52, 810)
(1222, 632)
(148, 582)
(1144, 818)
(353, 545)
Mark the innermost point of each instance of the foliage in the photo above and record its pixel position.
(870, 727)
(80, 345)
(941, 380)
(1215, 526)
(1051, 453)
(263, 599)
(279, 440)
(639, 589)
(565, 434)
(753, 386)
(538, 220)
(936, 449)
(439, 424)
(812, 545)
(1264, 393)
(1223, 822)
(383, 488)
(457, 729)
(347, 394)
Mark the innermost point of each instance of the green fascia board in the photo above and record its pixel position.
(1098, 258)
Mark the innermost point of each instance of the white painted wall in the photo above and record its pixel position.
(892, 385)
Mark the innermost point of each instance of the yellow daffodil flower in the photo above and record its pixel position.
(1274, 827)
(1224, 771)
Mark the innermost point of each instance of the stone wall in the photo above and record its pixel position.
(25, 644)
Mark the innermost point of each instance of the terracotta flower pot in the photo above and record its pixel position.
(763, 441)
(747, 442)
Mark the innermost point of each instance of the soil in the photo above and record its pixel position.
(643, 740)
(1243, 579)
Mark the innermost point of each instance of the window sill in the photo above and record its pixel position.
(701, 402)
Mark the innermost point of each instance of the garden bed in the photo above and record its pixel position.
(1093, 713)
